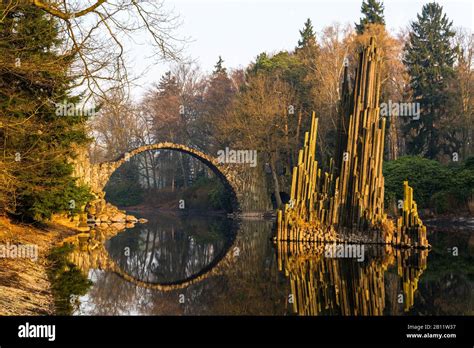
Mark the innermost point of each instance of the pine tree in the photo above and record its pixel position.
(429, 59)
(373, 14)
(219, 67)
(217, 103)
(303, 73)
(308, 38)
(168, 86)
(39, 118)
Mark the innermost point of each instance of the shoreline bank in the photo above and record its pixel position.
(25, 288)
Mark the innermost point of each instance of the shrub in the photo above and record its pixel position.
(437, 187)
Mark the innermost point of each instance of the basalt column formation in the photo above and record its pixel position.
(346, 203)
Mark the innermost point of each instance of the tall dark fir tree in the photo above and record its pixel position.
(429, 58)
(372, 11)
(308, 37)
(219, 67)
(39, 121)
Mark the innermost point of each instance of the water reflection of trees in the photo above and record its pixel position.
(250, 285)
(448, 286)
(168, 250)
(341, 286)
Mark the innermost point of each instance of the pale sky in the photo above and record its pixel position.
(239, 30)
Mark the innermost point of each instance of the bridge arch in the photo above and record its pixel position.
(222, 171)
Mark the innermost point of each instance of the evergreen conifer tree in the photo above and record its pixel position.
(373, 14)
(219, 67)
(39, 118)
(308, 38)
(429, 59)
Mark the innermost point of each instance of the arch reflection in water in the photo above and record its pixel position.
(245, 282)
(323, 285)
(254, 278)
(166, 254)
(168, 250)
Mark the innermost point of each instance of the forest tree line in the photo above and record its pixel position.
(265, 106)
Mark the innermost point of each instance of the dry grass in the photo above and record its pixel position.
(24, 284)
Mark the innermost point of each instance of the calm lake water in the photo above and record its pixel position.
(191, 265)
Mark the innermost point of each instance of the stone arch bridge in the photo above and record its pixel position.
(97, 175)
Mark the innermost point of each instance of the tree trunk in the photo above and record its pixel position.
(393, 139)
(276, 184)
(147, 173)
(153, 168)
(185, 177)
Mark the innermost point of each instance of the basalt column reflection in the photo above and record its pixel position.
(328, 283)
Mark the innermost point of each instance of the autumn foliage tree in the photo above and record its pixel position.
(261, 122)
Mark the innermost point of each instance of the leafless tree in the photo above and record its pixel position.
(98, 33)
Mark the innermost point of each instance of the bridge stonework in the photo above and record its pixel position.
(97, 175)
